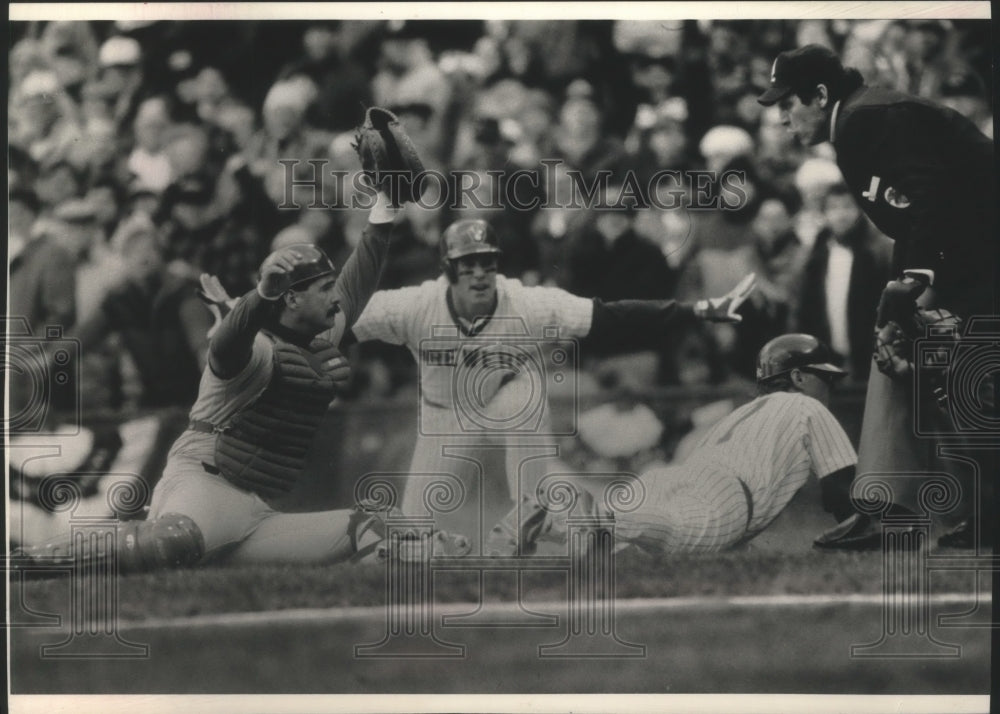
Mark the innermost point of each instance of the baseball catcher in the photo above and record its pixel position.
(274, 366)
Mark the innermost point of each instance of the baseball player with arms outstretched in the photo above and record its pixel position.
(925, 175)
(742, 474)
(273, 369)
(471, 332)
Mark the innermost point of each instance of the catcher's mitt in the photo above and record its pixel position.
(388, 158)
(894, 340)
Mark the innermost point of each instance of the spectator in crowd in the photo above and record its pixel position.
(104, 110)
(42, 279)
(25, 56)
(286, 134)
(581, 141)
(342, 81)
(148, 162)
(162, 323)
(44, 118)
(848, 266)
(777, 258)
(56, 183)
(927, 58)
(965, 92)
(71, 51)
(658, 139)
(408, 77)
(813, 180)
(610, 261)
(120, 60)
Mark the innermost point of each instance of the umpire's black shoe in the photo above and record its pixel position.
(856, 532)
(861, 532)
(964, 536)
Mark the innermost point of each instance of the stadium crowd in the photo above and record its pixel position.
(144, 154)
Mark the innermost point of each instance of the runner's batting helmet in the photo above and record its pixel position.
(787, 352)
(468, 237)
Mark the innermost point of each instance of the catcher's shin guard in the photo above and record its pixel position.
(170, 541)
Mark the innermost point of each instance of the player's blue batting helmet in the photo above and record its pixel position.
(468, 237)
(787, 352)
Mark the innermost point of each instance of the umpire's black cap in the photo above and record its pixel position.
(800, 70)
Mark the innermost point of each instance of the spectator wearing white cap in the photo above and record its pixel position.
(813, 180)
(721, 144)
(148, 163)
(43, 118)
(120, 60)
(285, 133)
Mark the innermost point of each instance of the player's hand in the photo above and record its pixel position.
(275, 272)
(216, 299)
(723, 309)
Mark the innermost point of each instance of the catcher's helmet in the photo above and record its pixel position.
(468, 237)
(787, 352)
(315, 264)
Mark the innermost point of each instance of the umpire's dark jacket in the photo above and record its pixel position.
(924, 174)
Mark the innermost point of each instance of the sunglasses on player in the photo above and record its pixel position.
(830, 378)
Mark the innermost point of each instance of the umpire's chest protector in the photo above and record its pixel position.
(263, 448)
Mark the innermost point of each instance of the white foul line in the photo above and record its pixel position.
(630, 606)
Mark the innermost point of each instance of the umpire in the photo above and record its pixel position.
(924, 175)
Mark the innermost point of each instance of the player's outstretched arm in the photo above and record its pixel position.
(638, 324)
(390, 163)
(361, 274)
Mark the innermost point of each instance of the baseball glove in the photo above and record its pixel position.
(388, 158)
(894, 340)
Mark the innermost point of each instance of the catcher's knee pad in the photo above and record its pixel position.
(172, 540)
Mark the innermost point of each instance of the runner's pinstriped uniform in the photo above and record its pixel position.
(742, 475)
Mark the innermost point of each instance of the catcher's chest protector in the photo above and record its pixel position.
(263, 448)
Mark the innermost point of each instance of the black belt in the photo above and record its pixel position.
(204, 427)
(749, 497)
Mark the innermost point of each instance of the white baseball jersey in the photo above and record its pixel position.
(772, 444)
(743, 473)
(456, 362)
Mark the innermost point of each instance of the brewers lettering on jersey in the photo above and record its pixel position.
(489, 349)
